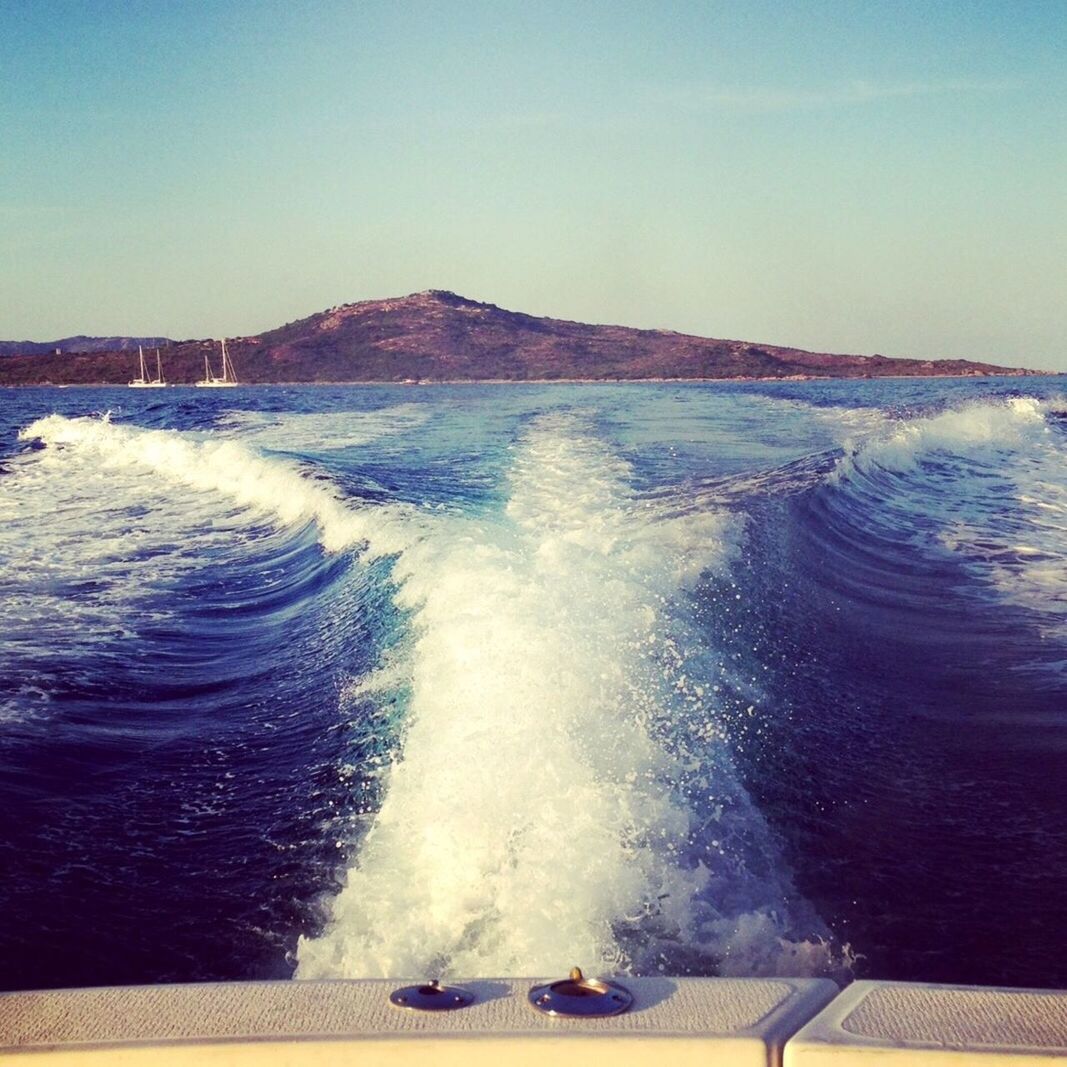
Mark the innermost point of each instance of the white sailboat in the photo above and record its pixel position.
(144, 382)
(228, 377)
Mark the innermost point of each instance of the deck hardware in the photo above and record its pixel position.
(581, 996)
(431, 997)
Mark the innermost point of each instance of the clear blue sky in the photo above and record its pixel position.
(880, 177)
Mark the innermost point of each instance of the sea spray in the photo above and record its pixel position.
(535, 817)
(968, 430)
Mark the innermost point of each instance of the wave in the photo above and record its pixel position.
(981, 484)
(237, 473)
(562, 670)
(973, 430)
(105, 565)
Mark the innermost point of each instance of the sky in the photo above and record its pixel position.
(843, 176)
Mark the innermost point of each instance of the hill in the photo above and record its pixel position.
(438, 336)
(80, 343)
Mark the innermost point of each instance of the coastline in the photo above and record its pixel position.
(553, 381)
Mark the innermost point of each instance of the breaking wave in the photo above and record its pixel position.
(982, 484)
(237, 473)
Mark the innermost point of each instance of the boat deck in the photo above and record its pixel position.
(722, 1021)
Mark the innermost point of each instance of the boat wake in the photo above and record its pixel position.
(565, 790)
(562, 787)
(652, 680)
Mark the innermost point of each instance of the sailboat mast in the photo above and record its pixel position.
(227, 374)
(159, 367)
(140, 356)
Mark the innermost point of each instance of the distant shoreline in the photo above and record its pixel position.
(556, 381)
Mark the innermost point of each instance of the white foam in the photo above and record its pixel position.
(87, 552)
(967, 430)
(846, 426)
(237, 473)
(80, 554)
(537, 817)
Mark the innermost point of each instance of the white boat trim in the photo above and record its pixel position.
(735, 1022)
(672, 1021)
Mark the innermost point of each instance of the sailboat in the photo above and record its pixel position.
(228, 377)
(144, 382)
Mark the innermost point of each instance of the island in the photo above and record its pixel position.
(438, 336)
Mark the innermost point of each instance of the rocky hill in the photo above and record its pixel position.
(438, 336)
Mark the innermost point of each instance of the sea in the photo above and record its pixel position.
(750, 678)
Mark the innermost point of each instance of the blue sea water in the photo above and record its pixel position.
(708, 678)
